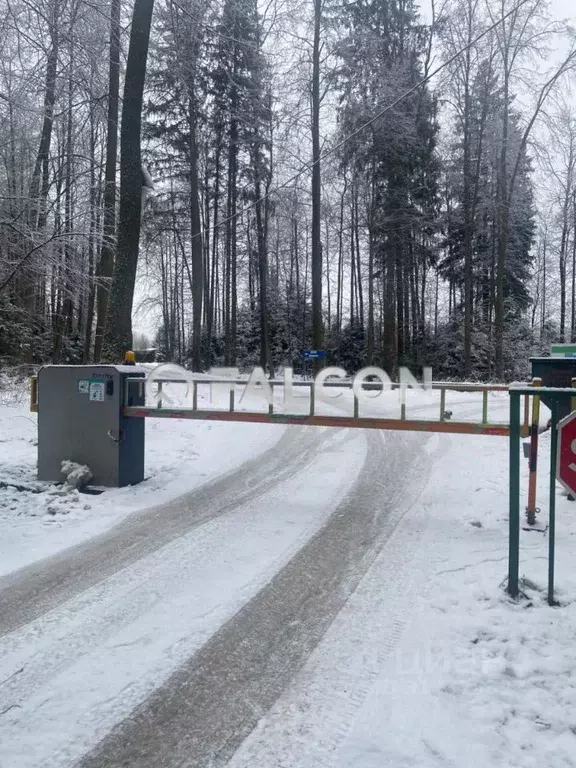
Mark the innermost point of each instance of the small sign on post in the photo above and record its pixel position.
(314, 354)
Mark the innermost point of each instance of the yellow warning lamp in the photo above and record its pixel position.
(129, 358)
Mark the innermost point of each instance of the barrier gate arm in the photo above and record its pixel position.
(402, 424)
(405, 425)
(312, 419)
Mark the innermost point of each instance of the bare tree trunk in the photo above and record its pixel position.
(370, 329)
(503, 227)
(408, 276)
(196, 245)
(106, 264)
(317, 325)
(468, 225)
(231, 232)
(340, 280)
(573, 312)
(358, 261)
(543, 322)
(305, 291)
(352, 264)
(38, 195)
(400, 308)
(436, 303)
(564, 242)
(328, 296)
(118, 329)
(297, 262)
(63, 327)
(562, 269)
(389, 313)
(214, 268)
(91, 254)
(265, 357)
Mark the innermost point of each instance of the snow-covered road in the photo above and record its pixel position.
(280, 615)
(213, 701)
(32, 591)
(200, 611)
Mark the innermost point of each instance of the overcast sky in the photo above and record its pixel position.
(563, 9)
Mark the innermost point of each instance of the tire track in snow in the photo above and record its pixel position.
(209, 706)
(87, 664)
(309, 723)
(90, 619)
(38, 588)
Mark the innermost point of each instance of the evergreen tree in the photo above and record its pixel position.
(394, 161)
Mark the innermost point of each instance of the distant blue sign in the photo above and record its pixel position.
(314, 354)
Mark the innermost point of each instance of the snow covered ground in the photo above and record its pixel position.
(39, 519)
(428, 663)
(436, 666)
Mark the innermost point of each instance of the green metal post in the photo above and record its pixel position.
(552, 503)
(403, 411)
(312, 396)
(195, 395)
(232, 399)
(442, 403)
(514, 499)
(356, 407)
(159, 402)
(485, 407)
(271, 404)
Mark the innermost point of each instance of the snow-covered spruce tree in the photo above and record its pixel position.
(174, 120)
(393, 163)
(242, 114)
(484, 139)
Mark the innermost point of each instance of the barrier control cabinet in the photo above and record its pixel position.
(80, 419)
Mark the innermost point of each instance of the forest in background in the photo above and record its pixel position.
(314, 185)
